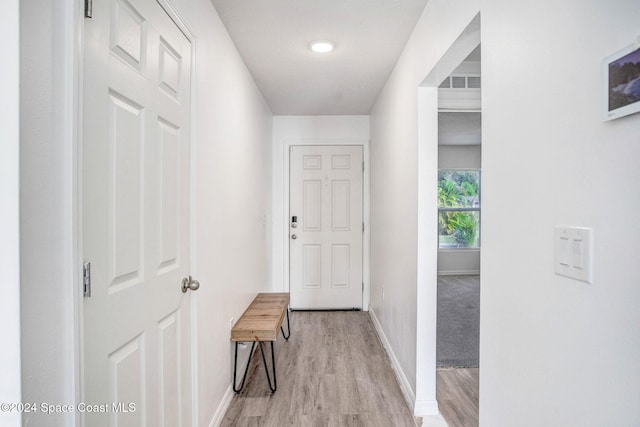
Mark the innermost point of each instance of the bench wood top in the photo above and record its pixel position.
(262, 319)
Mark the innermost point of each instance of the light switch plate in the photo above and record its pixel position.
(573, 252)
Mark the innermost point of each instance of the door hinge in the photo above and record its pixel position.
(86, 279)
(88, 8)
(363, 227)
(362, 166)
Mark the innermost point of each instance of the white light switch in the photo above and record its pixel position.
(563, 251)
(577, 252)
(573, 252)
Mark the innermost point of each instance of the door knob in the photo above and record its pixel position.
(189, 283)
(294, 237)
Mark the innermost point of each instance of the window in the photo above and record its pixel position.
(459, 209)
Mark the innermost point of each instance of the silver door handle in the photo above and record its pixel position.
(294, 237)
(189, 283)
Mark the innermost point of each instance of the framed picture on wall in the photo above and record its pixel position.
(621, 85)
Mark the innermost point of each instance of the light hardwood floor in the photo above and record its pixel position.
(333, 371)
(457, 395)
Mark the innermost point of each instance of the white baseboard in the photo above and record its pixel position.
(459, 273)
(426, 408)
(433, 421)
(405, 386)
(222, 408)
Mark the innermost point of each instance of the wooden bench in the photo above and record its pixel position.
(259, 323)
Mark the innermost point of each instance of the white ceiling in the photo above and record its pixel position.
(273, 38)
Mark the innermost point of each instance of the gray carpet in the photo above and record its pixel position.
(458, 329)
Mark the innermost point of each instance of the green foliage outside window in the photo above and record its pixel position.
(459, 208)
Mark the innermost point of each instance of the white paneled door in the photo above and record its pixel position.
(135, 225)
(325, 227)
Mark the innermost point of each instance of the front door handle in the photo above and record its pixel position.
(294, 237)
(189, 283)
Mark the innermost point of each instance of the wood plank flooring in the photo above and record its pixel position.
(333, 371)
(457, 395)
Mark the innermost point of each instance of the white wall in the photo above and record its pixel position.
(10, 388)
(232, 145)
(555, 351)
(458, 262)
(395, 295)
(460, 128)
(299, 130)
(46, 207)
(459, 157)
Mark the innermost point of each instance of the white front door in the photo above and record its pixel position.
(325, 227)
(135, 186)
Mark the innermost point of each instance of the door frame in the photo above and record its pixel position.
(366, 211)
(427, 260)
(75, 79)
(10, 362)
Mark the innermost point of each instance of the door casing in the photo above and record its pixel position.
(282, 234)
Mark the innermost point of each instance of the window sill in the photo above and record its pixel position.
(458, 249)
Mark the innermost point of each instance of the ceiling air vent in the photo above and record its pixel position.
(473, 82)
(460, 91)
(461, 82)
(458, 82)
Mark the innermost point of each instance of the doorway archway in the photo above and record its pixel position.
(426, 402)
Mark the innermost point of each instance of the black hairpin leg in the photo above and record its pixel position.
(235, 366)
(286, 337)
(266, 370)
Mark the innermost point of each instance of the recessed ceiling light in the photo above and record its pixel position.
(322, 46)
